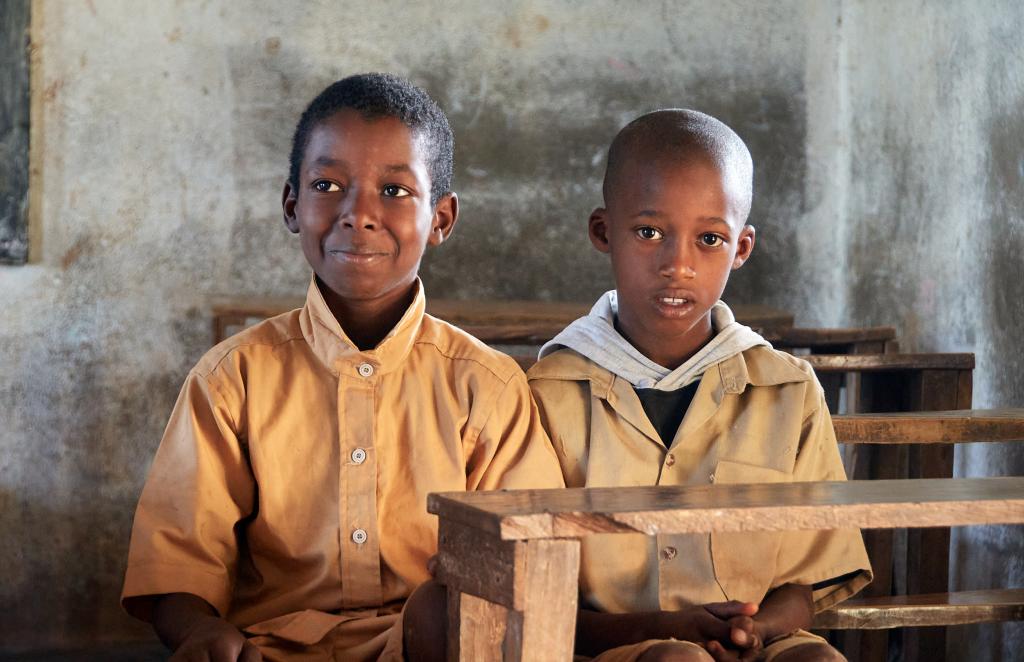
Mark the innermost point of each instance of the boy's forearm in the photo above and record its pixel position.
(175, 615)
(787, 608)
(597, 631)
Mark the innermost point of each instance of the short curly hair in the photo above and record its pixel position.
(375, 96)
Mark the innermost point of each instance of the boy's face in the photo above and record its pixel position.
(674, 233)
(362, 209)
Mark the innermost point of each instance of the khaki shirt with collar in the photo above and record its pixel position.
(289, 490)
(759, 416)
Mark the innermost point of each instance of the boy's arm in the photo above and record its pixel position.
(512, 450)
(189, 625)
(817, 557)
(597, 632)
(199, 487)
(788, 608)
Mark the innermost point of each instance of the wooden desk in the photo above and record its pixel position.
(511, 558)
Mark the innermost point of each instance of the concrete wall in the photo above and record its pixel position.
(935, 226)
(886, 143)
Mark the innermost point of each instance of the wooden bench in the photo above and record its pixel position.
(865, 340)
(882, 610)
(511, 559)
(915, 561)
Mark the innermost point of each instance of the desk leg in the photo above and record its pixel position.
(544, 627)
(511, 601)
(928, 549)
(476, 627)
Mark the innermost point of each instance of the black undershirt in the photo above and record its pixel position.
(666, 409)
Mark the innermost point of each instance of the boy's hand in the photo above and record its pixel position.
(190, 627)
(212, 639)
(742, 639)
(713, 622)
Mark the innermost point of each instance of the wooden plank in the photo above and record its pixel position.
(476, 628)
(543, 627)
(811, 337)
(960, 608)
(928, 548)
(476, 563)
(931, 427)
(574, 513)
(889, 362)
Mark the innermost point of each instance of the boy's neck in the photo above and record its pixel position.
(368, 322)
(670, 354)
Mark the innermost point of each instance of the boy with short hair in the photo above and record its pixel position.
(659, 385)
(284, 517)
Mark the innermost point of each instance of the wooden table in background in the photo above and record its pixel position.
(496, 322)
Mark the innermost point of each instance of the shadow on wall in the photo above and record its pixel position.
(81, 541)
(527, 180)
(89, 427)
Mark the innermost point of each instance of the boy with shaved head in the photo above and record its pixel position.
(659, 385)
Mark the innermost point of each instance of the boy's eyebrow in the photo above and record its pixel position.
(653, 213)
(328, 162)
(400, 167)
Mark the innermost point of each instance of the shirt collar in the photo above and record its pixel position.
(325, 336)
(757, 366)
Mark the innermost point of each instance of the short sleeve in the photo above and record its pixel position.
(833, 561)
(198, 489)
(512, 450)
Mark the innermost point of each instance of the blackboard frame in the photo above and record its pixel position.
(15, 105)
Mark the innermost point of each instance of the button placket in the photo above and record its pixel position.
(357, 483)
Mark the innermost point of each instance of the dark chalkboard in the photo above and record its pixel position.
(14, 119)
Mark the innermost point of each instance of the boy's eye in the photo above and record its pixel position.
(394, 191)
(649, 233)
(710, 239)
(324, 186)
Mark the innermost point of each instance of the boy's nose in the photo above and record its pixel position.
(359, 212)
(676, 260)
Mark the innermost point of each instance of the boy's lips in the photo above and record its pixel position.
(356, 255)
(674, 304)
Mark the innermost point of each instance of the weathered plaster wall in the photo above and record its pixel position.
(936, 224)
(165, 134)
(164, 141)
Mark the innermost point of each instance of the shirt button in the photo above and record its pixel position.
(711, 478)
(359, 536)
(358, 456)
(669, 553)
(670, 460)
(365, 369)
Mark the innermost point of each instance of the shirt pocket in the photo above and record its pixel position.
(745, 562)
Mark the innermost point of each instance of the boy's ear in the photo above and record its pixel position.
(744, 246)
(289, 197)
(446, 213)
(598, 228)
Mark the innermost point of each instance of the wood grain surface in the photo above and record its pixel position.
(932, 427)
(959, 608)
(574, 513)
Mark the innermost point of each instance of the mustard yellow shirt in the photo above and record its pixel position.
(289, 490)
(759, 416)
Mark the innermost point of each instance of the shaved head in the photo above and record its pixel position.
(677, 136)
